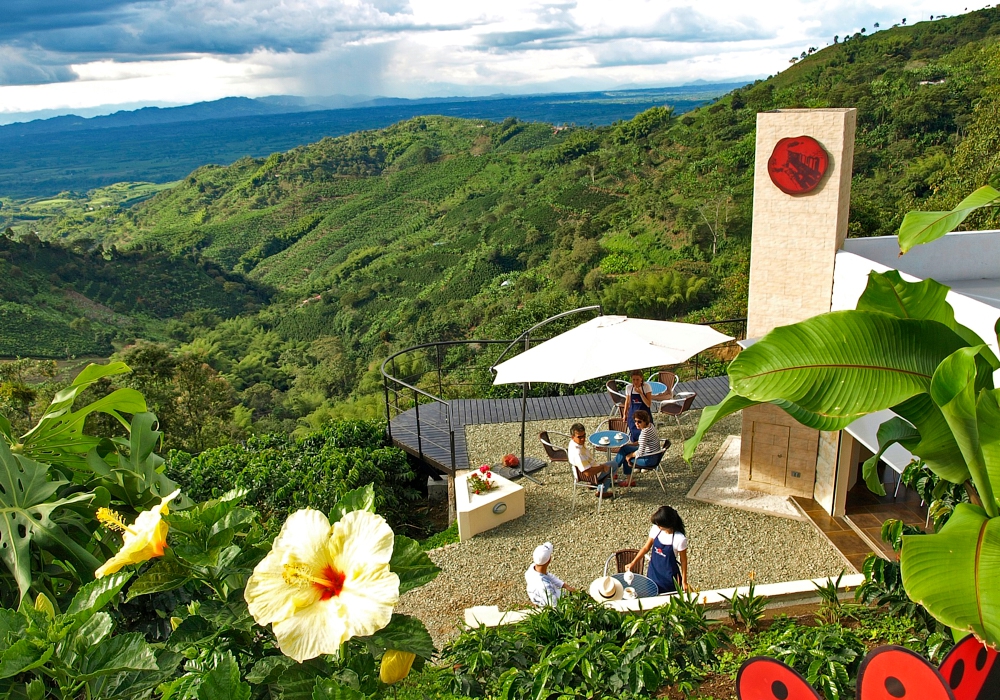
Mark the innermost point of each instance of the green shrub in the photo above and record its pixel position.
(828, 656)
(582, 649)
(313, 472)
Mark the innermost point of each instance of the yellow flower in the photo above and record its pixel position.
(320, 585)
(144, 539)
(395, 666)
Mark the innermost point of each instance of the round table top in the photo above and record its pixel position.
(657, 387)
(613, 439)
(644, 586)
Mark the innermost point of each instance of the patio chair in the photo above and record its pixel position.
(657, 459)
(554, 453)
(617, 397)
(622, 559)
(617, 424)
(676, 406)
(587, 484)
(665, 377)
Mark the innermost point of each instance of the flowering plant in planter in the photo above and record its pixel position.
(510, 461)
(479, 482)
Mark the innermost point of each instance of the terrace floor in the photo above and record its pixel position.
(433, 441)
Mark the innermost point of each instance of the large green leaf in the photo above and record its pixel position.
(404, 633)
(889, 293)
(162, 576)
(894, 431)
(925, 226)
(411, 564)
(937, 446)
(26, 510)
(359, 499)
(23, 656)
(223, 682)
(712, 415)
(843, 365)
(329, 689)
(988, 411)
(95, 595)
(954, 573)
(953, 389)
(58, 437)
(124, 652)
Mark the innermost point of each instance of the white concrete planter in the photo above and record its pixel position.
(481, 512)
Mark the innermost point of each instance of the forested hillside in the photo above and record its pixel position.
(439, 228)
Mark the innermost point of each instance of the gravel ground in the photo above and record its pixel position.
(725, 543)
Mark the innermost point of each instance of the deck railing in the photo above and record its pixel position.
(426, 378)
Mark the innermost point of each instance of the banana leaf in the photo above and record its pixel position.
(925, 226)
(954, 573)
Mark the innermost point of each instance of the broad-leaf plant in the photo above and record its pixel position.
(902, 349)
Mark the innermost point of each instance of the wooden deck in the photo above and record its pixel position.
(433, 444)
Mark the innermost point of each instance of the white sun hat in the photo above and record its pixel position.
(605, 589)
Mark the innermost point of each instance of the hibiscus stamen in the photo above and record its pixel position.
(112, 520)
(330, 582)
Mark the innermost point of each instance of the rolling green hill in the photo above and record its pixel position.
(440, 228)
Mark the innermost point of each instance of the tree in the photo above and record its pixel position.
(718, 210)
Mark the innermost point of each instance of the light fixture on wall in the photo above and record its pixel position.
(500, 507)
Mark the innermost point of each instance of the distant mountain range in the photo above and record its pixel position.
(161, 144)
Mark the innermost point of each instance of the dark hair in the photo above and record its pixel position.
(643, 416)
(635, 372)
(577, 428)
(668, 518)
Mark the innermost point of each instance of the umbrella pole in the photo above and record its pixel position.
(524, 416)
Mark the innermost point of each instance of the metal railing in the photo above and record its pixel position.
(428, 377)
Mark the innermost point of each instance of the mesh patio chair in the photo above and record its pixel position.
(622, 559)
(676, 406)
(653, 464)
(616, 424)
(592, 484)
(617, 396)
(554, 453)
(665, 377)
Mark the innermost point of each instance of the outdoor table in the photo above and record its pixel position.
(644, 586)
(657, 388)
(613, 441)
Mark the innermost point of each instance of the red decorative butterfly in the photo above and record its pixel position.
(969, 672)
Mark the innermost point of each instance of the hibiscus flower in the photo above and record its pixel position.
(144, 539)
(321, 585)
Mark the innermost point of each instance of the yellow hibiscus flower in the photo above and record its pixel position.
(321, 585)
(144, 539)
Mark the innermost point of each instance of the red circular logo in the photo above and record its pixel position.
(797, 164)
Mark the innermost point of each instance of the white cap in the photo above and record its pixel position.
(542, 553)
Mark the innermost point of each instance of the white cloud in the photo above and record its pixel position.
(181, 51)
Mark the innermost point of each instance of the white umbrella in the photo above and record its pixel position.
(608, 345)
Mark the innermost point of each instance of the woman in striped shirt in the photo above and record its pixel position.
(648, 443)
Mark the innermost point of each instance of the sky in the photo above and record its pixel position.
(94, 56)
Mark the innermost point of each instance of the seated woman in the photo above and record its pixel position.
(668, 562)
(631, 454)
(638, 397)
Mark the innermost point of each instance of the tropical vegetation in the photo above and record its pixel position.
(902, 349)
(117, 586)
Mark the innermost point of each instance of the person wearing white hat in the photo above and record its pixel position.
(543, 588)
(605, 589)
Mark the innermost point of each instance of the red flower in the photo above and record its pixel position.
(484, 469)
(489, 475)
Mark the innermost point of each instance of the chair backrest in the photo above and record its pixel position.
(623, 557)
(655, 457)
(617, 424)
(555, 454)
(612, 386)
(677, 406)
(668, 378)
